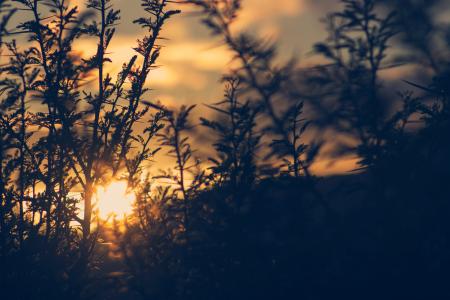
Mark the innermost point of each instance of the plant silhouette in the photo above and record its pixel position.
(248, 216)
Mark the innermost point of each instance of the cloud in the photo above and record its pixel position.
(200, 55)
(329, 167)
(191, 59)
(257, 11)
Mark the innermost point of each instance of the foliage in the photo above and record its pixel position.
(265, 81)
(85, 138)
(254, 221)
(237, 141)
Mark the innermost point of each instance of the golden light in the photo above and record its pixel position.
(115, 200)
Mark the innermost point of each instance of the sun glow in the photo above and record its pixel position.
(115, 200)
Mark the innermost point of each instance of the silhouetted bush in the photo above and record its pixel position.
(252, 221)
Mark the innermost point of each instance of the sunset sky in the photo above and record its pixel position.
(239, 149)
(192, 61)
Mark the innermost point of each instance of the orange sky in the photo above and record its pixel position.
(192, 61)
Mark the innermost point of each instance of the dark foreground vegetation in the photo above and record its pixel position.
(252, 221)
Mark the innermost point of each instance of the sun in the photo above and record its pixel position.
(115, 200)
